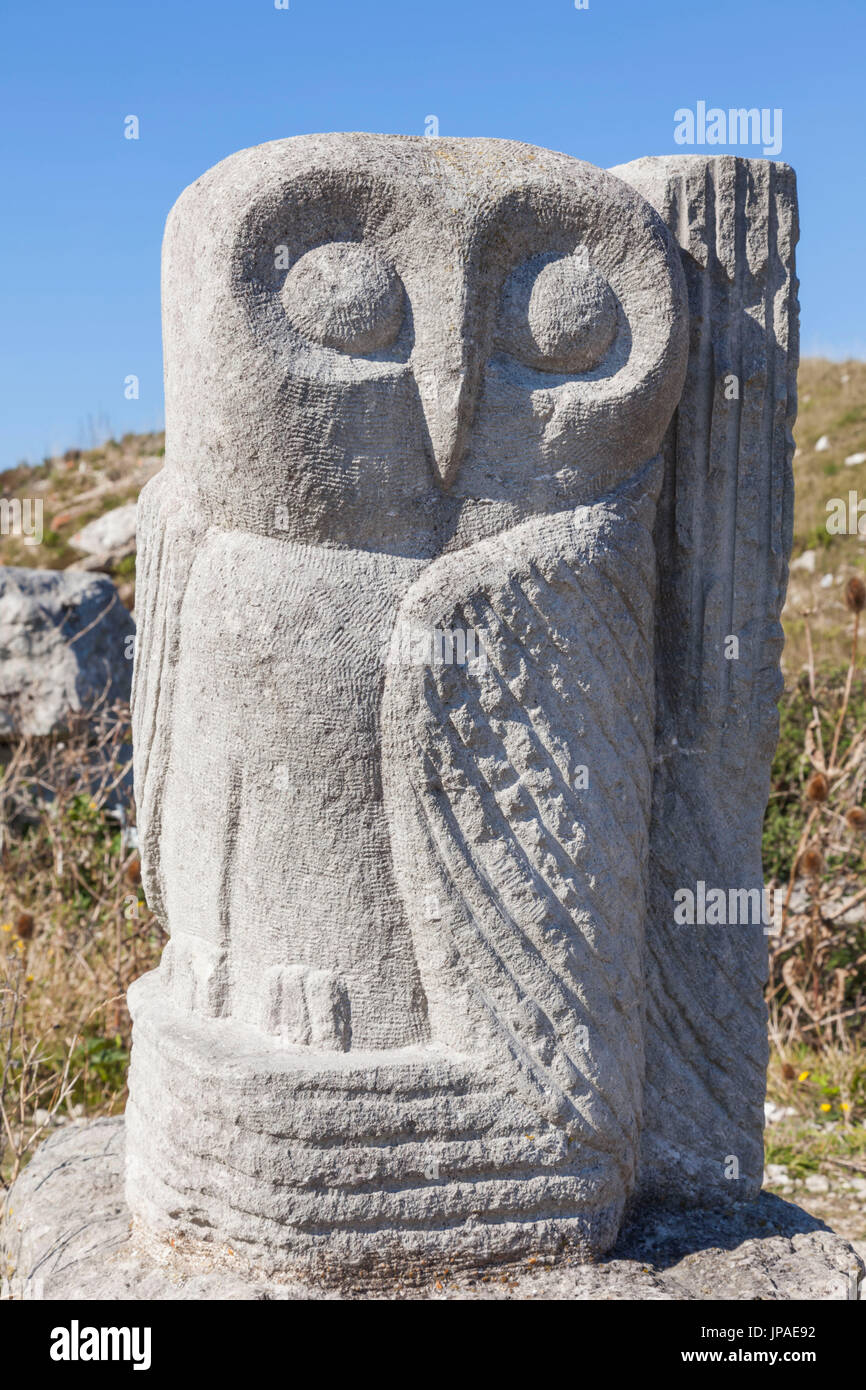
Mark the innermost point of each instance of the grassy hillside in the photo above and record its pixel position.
(832, 408)
(75, 488)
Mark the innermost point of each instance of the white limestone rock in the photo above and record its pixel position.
(114, 530)
(65, 644)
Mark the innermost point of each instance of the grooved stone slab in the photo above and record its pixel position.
(69, 1226)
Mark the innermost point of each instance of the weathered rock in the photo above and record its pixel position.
(65, 645)
(69, 1234)
(114, 530)
(425, 756)
(458, 660)
(105, 562)
(723, 535)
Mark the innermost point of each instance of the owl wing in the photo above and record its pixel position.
(517, 785)
(723, 537)
(168, 534)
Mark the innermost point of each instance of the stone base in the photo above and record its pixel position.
(69, 1235)
(312, 1163)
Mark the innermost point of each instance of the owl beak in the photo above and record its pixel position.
(444, 400)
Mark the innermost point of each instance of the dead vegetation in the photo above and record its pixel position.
(74, 929)
(831, 428)
(71, 491)
(817, 987)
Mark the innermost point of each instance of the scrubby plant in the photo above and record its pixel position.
(815, 841)
(74, 929)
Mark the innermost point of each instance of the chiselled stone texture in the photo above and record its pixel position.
(69, 1235)
(405, 694)
(723, 536)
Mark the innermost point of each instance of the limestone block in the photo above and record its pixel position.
(434, 707)
(65, 644)
(114, 530)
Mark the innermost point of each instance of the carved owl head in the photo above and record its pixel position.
(405, 343)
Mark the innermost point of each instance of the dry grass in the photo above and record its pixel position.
(75, 489)
(832, 404)
(820, 1100)
(817, 987)
(74, 930)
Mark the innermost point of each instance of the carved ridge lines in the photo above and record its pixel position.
(559, 613)
(736, 222)
(472, 921)
(554, 848)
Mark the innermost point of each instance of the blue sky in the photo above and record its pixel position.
(85, 207)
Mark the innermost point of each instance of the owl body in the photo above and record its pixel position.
(289, 842)
(419, 388)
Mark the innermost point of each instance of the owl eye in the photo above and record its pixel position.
(557, 314)
(344, 295)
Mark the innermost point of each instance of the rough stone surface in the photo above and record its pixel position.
(114, 530)
(64, 646)
(68, 1235)
(433, 712)
(723, 537)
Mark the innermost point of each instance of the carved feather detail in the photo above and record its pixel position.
(167, 537)
(518, 792)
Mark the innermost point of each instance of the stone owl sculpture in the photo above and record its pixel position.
(431, 711)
